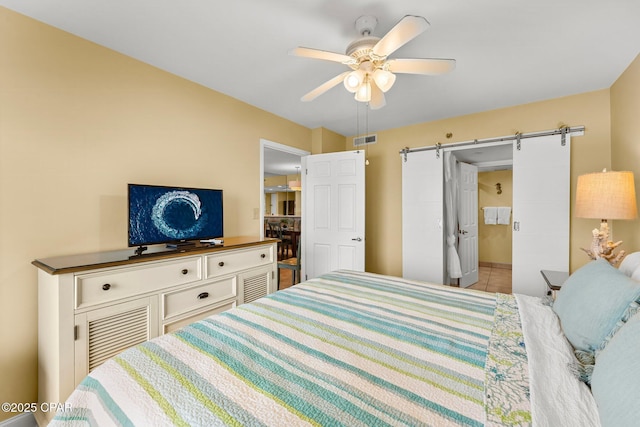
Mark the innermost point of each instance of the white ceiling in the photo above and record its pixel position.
(508, 52)
(278, 162)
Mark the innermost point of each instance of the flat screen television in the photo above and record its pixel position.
(160, 214)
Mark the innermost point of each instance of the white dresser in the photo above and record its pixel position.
(93, 306)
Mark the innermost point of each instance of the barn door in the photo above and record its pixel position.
(423, 243)
(541, 197)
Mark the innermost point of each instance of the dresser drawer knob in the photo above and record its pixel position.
(203, 295)
(221, 263)
(185, 271)
(106, 287)
(263, 255)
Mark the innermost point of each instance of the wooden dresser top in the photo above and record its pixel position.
(81, 262)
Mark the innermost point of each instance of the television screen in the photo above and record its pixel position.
(159, 214)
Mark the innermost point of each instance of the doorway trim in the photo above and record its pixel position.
(265, 143)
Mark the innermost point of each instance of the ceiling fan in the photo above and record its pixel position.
(372, 72)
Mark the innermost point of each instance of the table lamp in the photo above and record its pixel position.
(605, 195)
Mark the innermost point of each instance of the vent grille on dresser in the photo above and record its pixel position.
(109, 336)
(255, 287)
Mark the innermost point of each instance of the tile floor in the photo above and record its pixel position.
(493, 279)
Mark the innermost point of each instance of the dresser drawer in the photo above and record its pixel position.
(225, 263)
(195, 297)
(110, 285)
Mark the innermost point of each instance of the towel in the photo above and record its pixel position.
(504, 215)
(490, 215)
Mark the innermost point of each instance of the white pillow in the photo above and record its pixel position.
(630, 265)
(558, 398)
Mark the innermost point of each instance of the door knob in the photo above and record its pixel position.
(463, 231)
(357, 239)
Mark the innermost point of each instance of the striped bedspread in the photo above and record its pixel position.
(345, 349)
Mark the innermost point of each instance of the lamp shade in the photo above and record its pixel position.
(295, 185)
(606, 195)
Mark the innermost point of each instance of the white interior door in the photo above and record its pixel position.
(468, 224)
(423, 243)
(541, 198)
(333, 221)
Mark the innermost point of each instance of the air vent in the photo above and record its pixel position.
(256, 287)
(110, 335)
(365, 140)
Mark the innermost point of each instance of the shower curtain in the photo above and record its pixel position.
(451, 216)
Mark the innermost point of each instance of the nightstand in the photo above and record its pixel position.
(554, 279)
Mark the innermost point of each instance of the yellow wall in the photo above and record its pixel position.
(77, 123)
(326, 141)
(289, 196)
(494, 241)
(383, 175)
(625, 146)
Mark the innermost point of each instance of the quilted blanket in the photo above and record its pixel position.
(345, 349)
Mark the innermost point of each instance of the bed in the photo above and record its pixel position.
(348, 349)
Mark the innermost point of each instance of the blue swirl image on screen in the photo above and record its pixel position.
(163, 214)
(178, 214)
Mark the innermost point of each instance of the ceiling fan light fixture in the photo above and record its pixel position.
(371, 72)
(353, 80)
(384, 79)
(363, 94)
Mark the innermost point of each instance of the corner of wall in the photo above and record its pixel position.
(625, 142)
(326, 141)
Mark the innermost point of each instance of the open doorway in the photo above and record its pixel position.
(280, 166)
(484, 243)
(281, 204)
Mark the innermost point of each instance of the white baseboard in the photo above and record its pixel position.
(22, 420)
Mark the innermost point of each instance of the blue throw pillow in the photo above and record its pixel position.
(593, 303)
(615, 382)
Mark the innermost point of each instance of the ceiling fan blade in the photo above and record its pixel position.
(324, 87)
(377, 97)
(307, 52)
(404, 31)
(426, 66)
